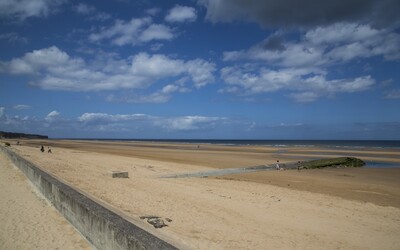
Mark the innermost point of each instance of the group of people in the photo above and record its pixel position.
(278, 167)
(48, 149)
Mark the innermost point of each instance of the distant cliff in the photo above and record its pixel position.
(10, 135)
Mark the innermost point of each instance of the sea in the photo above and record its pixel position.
(280, 143)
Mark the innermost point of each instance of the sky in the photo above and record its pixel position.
(201, 69)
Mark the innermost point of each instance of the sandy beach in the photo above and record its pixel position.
(310, 209)
(27, 220)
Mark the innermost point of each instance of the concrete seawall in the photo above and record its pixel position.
(100, 226)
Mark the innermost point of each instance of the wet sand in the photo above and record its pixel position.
(218, 156)
(374, 185)
(311, 209)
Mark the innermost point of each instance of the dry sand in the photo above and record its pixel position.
(27, 220)
(239, 211)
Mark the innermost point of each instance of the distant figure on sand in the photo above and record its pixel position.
(42, 149)
(49, 150)
(298, 165)
(277, 165)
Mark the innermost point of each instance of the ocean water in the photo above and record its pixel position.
(281, 143)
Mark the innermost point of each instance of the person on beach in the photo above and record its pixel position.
(277, 165)
(49, 150)
(42, 149)
(298, 166)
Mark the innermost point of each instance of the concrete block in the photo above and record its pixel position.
(119, 174)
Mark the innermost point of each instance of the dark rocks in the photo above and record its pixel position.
(338, 162)
(156, 221)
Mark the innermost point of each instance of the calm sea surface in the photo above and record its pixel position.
(281, 143)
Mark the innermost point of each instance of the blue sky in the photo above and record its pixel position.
(257, 69)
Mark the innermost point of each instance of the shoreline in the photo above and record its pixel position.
(190, 152)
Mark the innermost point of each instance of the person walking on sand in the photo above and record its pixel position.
(49, 150)
(277, 165)
(42, 149)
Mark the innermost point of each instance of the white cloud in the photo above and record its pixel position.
(346, 41)
(100, 124)
(22, 9)
(90, 12)
(55, 69)
(293, 55)
(161, 96)
(304, 96)
(156, 47)
(156, 97)
(156, 65)
(393, 94)
(200, 71)
(340, 33)
(153, 11)
(84, 9)
(36, 60)
(13, 38)
(301, 66)
(352, 85)
(134, 32)
(324, 46)
(181, 14)
(107, 118)
(188, 122)
(156, 32)
(180, 123)
(256, 81)
(21, 106)
(52, 116)
(304, 85)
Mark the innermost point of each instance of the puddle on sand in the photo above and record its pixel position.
(221, 172)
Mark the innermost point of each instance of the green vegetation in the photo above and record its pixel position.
(334, 162)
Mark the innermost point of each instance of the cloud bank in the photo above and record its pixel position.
(308, 13)
(54, 69)
(22, 9)
(302, 66)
